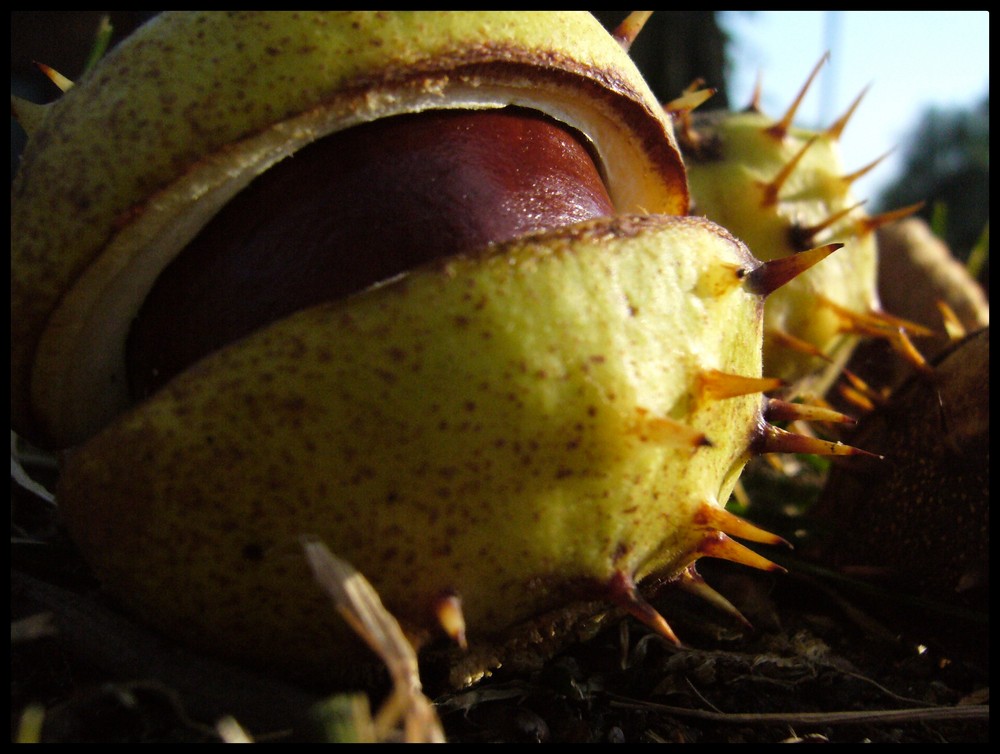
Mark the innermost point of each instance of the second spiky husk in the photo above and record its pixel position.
(783, 190)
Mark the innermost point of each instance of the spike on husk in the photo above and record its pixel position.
(895, 336)
(711, 516)
(722, 547)
(770, 276)
(901, 323)
(754, 105)
(873, 323)
(627, 31)
(689, 100)
(952, 324)
(773, 187)
(621, 591)
(714, 385)
(850, 178)
(448, 609)
(862, 388)
(904, 346)
(662, 429)
(780, 129)
(691, 582)
(64, 83)
(775, 440)
(855, 397)
(868, 225)
(681, 107)
(836, 129)
(789, 341)
(776, 410)
(804, 235)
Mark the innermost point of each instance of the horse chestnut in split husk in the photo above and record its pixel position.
(783, 189)
(419, 285)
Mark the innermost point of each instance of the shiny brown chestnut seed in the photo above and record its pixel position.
(356, 208)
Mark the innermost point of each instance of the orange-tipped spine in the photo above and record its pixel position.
(867, 225)
(718, 518)
(780, 129)
(773, 187)
(776, 410)
(802, 237)
(770, 276)
(623, 593)
(55, 77)
(714, 384)
(836, 128)
(448, 610)
(721, 546)
(691, 582)
(667, 431)
(775, 440)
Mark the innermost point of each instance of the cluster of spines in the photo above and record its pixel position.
(870, 324)
(873, 323)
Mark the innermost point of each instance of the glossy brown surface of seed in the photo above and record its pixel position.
(356, 208)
